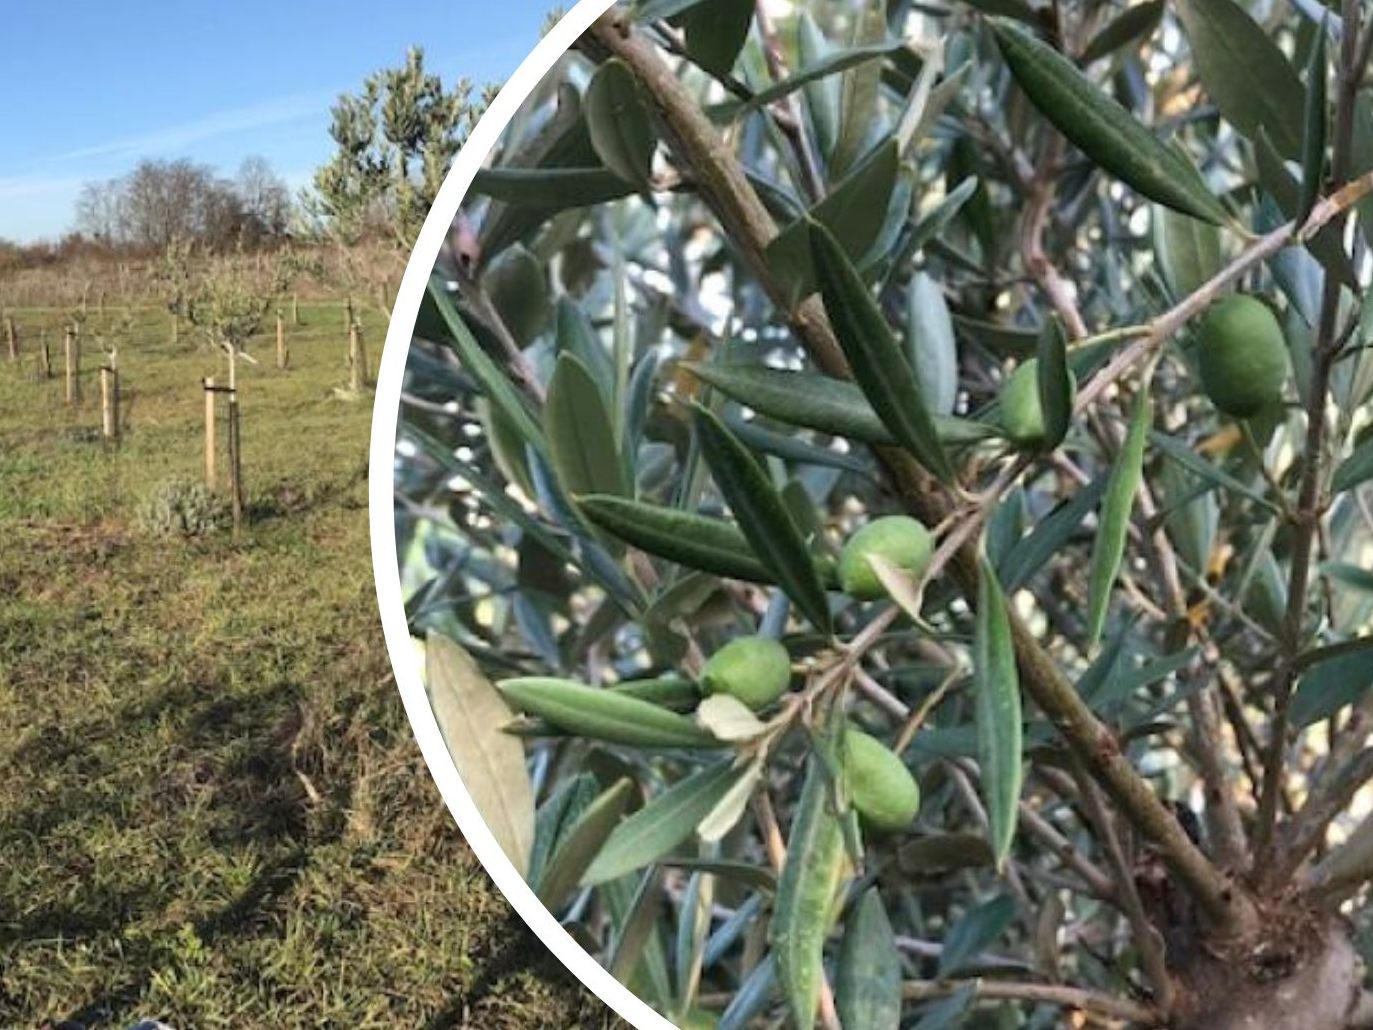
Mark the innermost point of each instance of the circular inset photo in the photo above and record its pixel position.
(856, 510)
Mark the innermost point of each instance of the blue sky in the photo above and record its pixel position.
(92, 86)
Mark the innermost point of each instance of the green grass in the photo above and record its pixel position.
(211, 808)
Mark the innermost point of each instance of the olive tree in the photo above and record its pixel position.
(885, 489)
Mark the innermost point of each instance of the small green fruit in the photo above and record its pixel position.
(880, 787)
(899, 539)
(755, 670)
(1242, 356)
(1022, 416)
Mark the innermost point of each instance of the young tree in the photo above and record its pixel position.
(395, 140)
(922, 542)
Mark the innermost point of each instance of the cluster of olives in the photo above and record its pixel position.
(1241, 358)
(757, 671)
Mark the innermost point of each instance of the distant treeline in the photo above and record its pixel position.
(162, 201)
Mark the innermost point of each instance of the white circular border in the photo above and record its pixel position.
(385, 561)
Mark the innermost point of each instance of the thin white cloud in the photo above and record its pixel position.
(19, 187)
(279, 111)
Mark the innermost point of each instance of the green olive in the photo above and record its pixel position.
(899, 539)
(1242, 356)
(756, 670)
(880, 787)
(1022, 416)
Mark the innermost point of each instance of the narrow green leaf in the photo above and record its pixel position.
(1126, 29)
(1278, 182)
(1355, 577)
(1313, 127)
(1056, 385)
(518, 288)
(574, 334)
(1356, 469)
(1114, 526)
(996, 690)
(867, 984)
(555, 816)
(716, 31)
(1187, 250)
(1051, 533)
(859, 114)
(1330, 684)
(931, 344)
(581, 439)
(805, 896)
(753, 876)
(978, 928)
(618, 121)
(812, 401)
(603, 714)
(833, 63)
(471, 715)
(1244, 71)
(822, 95)
(551, 189)
(581, 842)
(879, 366)
(1017, 9)
(694, 541)
(1189, 459)
(932, 226)
(1329, 652)
(854, 211)
(494, 384)
(763, 518)
(1101, 128)
(662, 824)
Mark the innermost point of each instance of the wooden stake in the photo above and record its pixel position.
(44, 355)
(356, 372)
(283, 357)
(211, 442)
(348, 313)
(235, 464)
(73, 370)
(295, 309)
(109, 403)
(12, 337)
(176, 328)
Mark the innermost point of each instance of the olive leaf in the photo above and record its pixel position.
(1101, 128)
(580, 843)
(662, 824)
(879, 366)
(855, 210)
(695, 541)
(805, 896)
(764, 519)
(867, 983)
(972, 933)
(1114, 526)
(996, 698)
(715, 32)
(603, 714)
(1244, 72)
(834, 406)
(1055, 384)
(931, 344)
(1355, 470)
(552, 189)
(730, 808)
(494, 384)
(1187, 250)
(1126, 29)
(1313, 127)
(581, 438)
(471, 714)
(618, 121)
(1030, 553)
(832, 63)
(822, 95)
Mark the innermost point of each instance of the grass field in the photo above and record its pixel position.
(211, 808)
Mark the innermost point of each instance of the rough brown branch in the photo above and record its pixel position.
(1071, 998)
